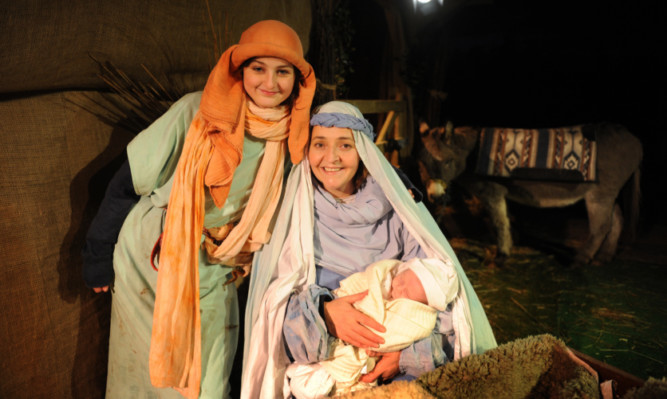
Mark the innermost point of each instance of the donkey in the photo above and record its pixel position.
(445, 157)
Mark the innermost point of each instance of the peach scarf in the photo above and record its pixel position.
(213, 149)
(175, 353)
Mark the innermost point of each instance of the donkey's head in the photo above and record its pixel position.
(444, 156)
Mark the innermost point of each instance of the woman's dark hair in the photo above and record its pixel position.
(360, 176)
(298, 77)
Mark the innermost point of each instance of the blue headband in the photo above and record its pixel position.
(337, 119)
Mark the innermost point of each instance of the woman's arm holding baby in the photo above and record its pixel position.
(314, 314)
(350, 325)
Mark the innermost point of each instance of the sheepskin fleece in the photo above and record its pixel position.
(533, 367)
(398, 389)
(653, 388)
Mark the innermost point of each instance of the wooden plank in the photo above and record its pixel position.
(388, 124)
(624, 380)
(399, 118)
(378, 106)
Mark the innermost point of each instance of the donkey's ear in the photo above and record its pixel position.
(423, 127)
(423, 172)
(466, 136)
(449, 127)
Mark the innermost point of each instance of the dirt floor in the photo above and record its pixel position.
(616, 313)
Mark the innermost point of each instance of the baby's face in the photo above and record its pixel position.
(406, 284)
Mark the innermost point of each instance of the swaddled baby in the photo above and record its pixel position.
(404, 297)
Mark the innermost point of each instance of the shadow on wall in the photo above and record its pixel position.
(86, 192)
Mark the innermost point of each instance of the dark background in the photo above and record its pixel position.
(532, 64)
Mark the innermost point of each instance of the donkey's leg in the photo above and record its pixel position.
(599, 224)
(610, 243)
(493, 197)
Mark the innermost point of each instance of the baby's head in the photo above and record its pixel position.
(424, 281)
(406, 284)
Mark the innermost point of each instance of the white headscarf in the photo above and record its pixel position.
(286, 264)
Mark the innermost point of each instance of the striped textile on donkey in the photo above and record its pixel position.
(564, 154)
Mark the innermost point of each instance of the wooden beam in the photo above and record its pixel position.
(398, 117)
(388, 124)
(378, 106)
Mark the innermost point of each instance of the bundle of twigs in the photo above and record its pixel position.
(138, 103)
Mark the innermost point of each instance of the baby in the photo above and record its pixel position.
(404, 297)
(406, 284)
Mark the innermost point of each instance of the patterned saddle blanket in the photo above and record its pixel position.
(556, 154)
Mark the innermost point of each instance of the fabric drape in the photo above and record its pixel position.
(212, 152)
(287, 264)
(175, 355)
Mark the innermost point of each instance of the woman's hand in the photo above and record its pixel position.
(101, 289)
(350, 325)
(385, 368)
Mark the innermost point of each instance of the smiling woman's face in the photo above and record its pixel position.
(268, 81)
(334, 159)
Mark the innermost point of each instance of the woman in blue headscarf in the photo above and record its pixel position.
(355, 212)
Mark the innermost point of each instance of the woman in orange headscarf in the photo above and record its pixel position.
(208, 175)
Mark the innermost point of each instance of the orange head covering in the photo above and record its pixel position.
(223, 106)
